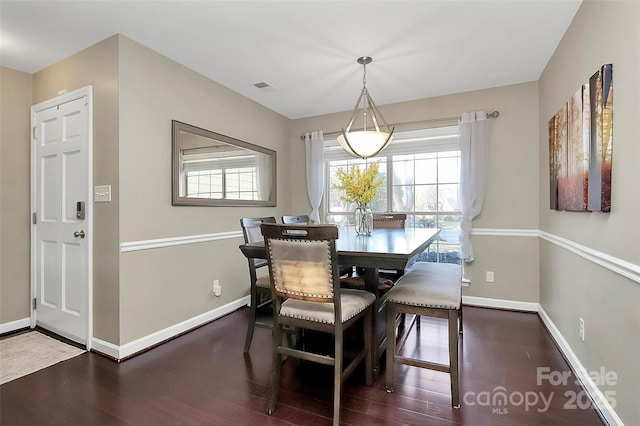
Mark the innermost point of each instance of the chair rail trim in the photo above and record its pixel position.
(177, 241)
(622, 267)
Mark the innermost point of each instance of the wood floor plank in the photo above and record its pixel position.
(203, 377)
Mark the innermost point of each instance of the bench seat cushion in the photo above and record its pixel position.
(430, 285)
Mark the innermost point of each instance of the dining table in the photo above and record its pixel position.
(392, 249)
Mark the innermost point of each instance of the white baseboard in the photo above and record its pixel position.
(486, 302)
(146, 342)
(583, 375)
(15, 325)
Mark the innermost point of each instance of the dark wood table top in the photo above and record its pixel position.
(384, 248)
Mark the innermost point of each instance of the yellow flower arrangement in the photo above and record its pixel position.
(359, 187)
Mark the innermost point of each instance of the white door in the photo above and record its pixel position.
(61, 202)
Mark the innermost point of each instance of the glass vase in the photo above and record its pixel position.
(363, 220)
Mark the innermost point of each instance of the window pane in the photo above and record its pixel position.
(231, 183)
(379, 204)
(333, 195)
(427, 221)
(402, 198)
(424, 221)
(450, 228)
(426, 198)
(335, 201)
(448, 169)
(204, 184)
(402, 171)
(426, 171)
(448, 197)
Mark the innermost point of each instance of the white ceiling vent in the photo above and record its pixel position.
(264, 86)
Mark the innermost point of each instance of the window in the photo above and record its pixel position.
(232, 178)
(421, 176)
(231, 184)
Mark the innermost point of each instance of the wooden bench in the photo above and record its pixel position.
(427, 289)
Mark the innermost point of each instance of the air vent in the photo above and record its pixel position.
(263, 85)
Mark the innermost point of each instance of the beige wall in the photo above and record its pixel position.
(511, 201)
(571, 286)
(97, 66)
(15, 104)
(162, 287)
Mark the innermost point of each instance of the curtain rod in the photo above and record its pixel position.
(493, 114)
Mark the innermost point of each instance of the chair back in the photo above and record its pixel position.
(301, 219)
(252, 234)
(303, 261)
(389, 220)
(251, 228)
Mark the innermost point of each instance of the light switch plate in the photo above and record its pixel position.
(102, 194)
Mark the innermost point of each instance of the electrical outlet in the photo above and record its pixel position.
(217, 288)
(581, 329)
(490, 276)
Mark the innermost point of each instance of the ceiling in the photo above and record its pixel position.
(307, 50)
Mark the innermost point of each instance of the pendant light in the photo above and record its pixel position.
(375, 134)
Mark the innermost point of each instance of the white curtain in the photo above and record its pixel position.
(314, 147)
(263, 166)
(473, 149)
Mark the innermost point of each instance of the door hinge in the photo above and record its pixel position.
(35, 218)
(35, 132)
(35, 303)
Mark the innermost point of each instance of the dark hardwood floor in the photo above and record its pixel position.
(203, 377)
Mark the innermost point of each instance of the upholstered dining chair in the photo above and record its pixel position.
(260, 289)
(389, 220)
(300, 219)
(303, 266)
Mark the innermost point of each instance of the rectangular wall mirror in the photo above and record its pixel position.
(210, 169)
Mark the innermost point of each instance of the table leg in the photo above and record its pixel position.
(378, 340)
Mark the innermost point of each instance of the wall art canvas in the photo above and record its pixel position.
(557, 153)
(601, 97)
(580, 147)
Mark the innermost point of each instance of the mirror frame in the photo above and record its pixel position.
(177, 200)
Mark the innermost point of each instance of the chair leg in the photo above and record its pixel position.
(337, 378)
(453, 357)
(367, 324)
(275, 368)
(252, 318)
(391, 345)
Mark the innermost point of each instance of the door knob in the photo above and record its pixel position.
(79, 233)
